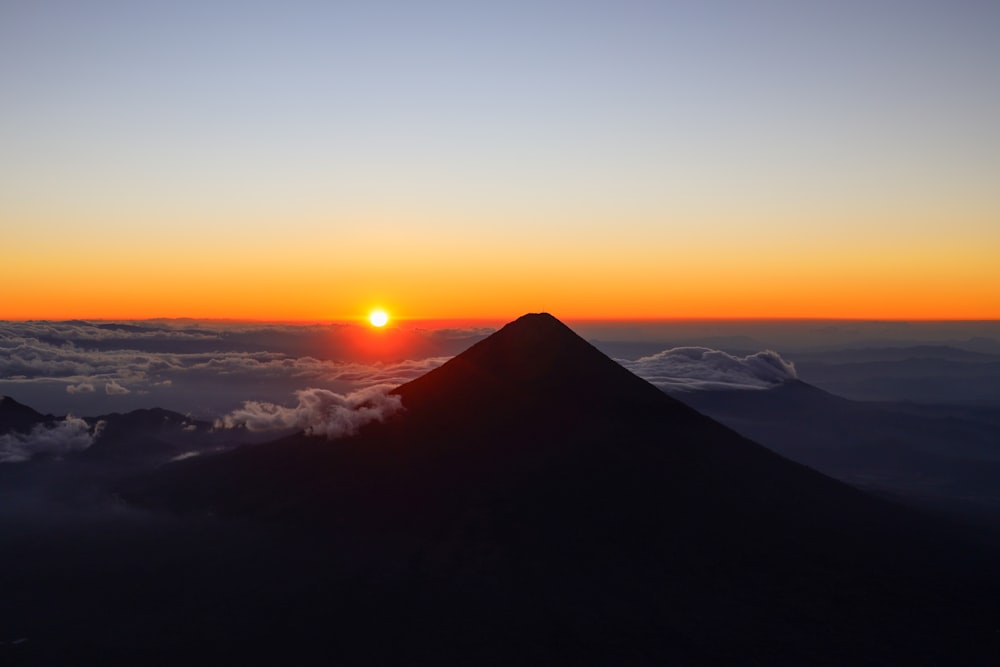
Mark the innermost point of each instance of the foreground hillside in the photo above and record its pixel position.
(534, 502)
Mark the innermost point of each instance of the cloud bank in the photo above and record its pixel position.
(72, 434)
(702, 368)
(202, 367)
(319, 412)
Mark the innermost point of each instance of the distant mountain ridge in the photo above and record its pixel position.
(946, 457)
(142, 437)
(16, 417)
(899, 353)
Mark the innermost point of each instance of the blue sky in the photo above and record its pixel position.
(768, 128)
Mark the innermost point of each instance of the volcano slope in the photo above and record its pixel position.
(535, 502)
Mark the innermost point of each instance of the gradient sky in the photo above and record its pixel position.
(303, 160)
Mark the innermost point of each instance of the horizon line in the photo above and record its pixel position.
(360, 319)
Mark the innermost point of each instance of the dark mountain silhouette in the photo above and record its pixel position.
(946, 457)
(141, 436)
(890, 354)
(16, 417)
(532, 400)
(948, 378)
(537, 503)
(149, 435)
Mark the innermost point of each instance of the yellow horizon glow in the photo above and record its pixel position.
(679, 271)
(866, 293)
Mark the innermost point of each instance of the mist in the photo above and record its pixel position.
(318, 412)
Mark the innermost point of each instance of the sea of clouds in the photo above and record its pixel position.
(257, 377)
(703, 369)
(264, 377)
(200, 368)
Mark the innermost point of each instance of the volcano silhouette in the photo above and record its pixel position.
(532, 409)
(537, 502)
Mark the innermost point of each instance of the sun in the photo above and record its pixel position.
(378, 318)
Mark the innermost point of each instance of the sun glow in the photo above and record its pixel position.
(378, 318)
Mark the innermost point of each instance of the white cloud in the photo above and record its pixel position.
(318, 412)
(394, 373)
(138, 355)
(72, 434)
(82, 388)
(113, 389)
(700, 368)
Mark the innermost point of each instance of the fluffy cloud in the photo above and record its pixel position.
(318, 412)
(700, 368)
(82, 388)
(72, 434)
(391, 374)
(114, 389)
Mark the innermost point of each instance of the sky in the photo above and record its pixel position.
(313, 160)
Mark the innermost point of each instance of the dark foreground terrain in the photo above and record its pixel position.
(534, 503)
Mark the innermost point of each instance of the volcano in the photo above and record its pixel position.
(532, 419)
(534, 502)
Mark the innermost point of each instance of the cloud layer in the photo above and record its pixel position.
(318, 412)
(72, 434)
(702, 368)
(204, 368)
(207, 369)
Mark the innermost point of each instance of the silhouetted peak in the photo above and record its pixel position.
(8, 404)
(16, 416)
(538, 322)
(534, 358)
(532, 330)
(534, 335)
